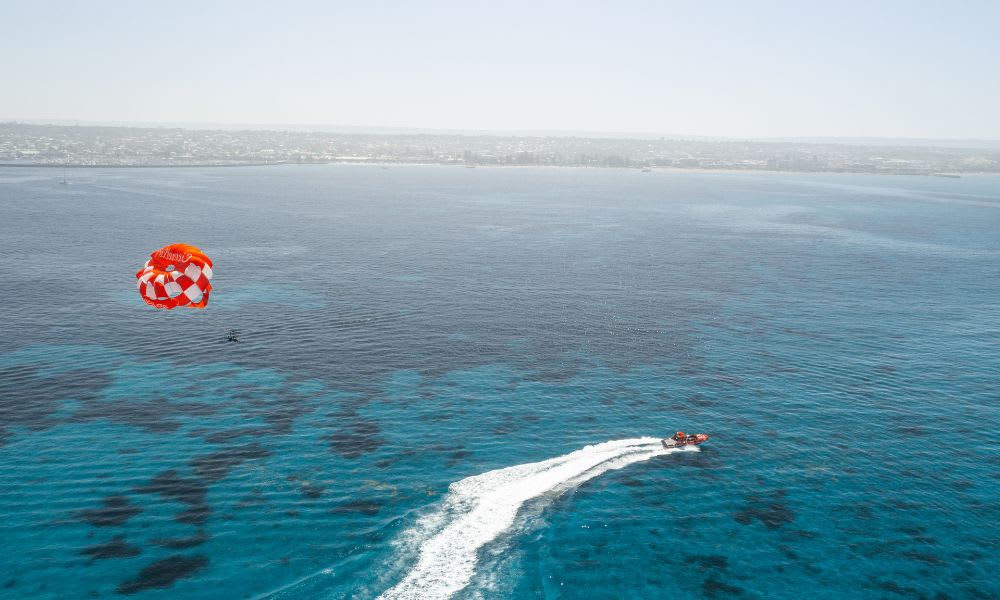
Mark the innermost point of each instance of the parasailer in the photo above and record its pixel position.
(176, 275)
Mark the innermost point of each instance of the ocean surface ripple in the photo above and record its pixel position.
(418, 343)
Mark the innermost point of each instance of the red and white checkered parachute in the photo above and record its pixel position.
(176, 275)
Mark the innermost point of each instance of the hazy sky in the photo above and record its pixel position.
(741, 69)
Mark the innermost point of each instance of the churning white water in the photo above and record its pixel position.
(476, 510)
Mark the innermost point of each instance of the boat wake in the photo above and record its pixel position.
(478, 509)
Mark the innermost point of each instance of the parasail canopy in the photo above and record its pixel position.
(176, 275)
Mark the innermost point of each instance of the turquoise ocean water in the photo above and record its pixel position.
(451, 381)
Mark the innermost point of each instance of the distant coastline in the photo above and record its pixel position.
(135, 166)
(63, 146)
(511, 166)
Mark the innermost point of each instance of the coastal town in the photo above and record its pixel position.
(23, 144)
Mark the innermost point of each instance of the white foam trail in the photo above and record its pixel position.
(478, 509)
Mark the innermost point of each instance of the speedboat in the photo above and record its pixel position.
(682, 439)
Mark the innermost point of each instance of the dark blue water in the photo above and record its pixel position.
(405, 329)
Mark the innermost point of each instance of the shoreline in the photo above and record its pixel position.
(943, 175)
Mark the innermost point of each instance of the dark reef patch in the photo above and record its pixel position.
(281, 417)
(356, 440)
(864, 512)
(154, 416)
(707, 561)
(229, 435)
(116, 547)
(555, 374)
(801, 534)
(444, 448)
(912, 430)
(115, 510)
(770, 510)
(163, 573)
(713, 588)
(189, 491)
(892, 586)
(458, 456)
(701, 401)
(506, 427)
(84, 385)
(195, 515)
(169, 484)
(215, 466)
(912, 530)
(925, 557)
(365, 507)
(311, 490)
